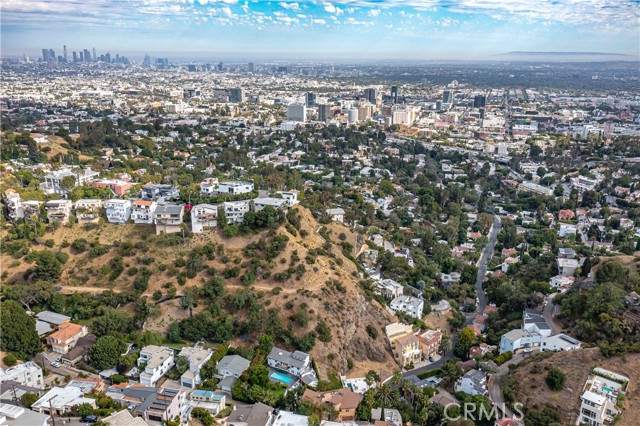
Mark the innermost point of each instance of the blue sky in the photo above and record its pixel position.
(345, 29)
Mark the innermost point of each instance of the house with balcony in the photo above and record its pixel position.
(155, 362)
(168, 218)
(88, 210)
(117, 186)
(407, 350)
(290, 196)
(340, 405)
(296, 363)
(118, 211)
(197, 357)
(142, 211)
(277, 203)
(204, 217)
(429, 341)
(150, 403)
(66, 337)
(235, 210)
(599, 397)
(58, 211)
(389, 289)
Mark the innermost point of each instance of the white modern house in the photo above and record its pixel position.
(142, 211)
(410, 305)
(204, 217)
(53, 181)
(277, 203)
(234, 187)
(235, 210)
(292, 362)
(197, 358)
(27, 374)
(118, 211)
(474, 382)
(599, 397)
(156, 361)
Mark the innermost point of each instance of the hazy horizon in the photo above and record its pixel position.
(421, 30)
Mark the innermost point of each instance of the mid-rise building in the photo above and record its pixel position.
(297, 113)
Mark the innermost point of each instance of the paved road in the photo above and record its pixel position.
(483, 263)
(486, 255)
(549, 312)
(495, 392)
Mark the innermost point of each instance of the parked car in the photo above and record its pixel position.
(55, 364)
(89, 419)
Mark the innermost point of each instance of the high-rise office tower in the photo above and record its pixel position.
(297, 112)
(236, 95)
(252, 67)
(220, 66)
(87, 55)
(479, 101)
(394, 94)
(75, 56)
(447, 97)
(64, 52)
(107, 57)
(52, 55)
(370, 95)
(95, 58)
(81, 56)
(45, 55)
(192, 68)
(324, 112)
(310, 99)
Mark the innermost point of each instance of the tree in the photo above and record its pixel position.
(445, 345)
(48, 264)
(106, 352)
(28, 399)
(18, 333)
(9, 360)
(555, 379)
(84, 410)
(466, 339)
(67, 183)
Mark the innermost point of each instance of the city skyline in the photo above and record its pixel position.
(345, 29)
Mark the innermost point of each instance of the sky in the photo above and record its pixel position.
(338, 29)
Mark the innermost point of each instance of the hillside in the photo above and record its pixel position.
(325, 287)
(576, 365)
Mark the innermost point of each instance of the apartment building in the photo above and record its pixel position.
(142, 211)
(118, 211)
(429, 342)
(156, 361)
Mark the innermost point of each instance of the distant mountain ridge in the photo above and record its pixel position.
(519, 52)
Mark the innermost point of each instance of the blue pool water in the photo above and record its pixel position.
(606, 389)
(281, 378)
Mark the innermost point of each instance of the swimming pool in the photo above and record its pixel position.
(606, 389)
(279, 377)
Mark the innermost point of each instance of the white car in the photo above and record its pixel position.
(55, 364)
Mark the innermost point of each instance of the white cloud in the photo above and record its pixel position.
(319, 21)
(290, 6)
(374, 12)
